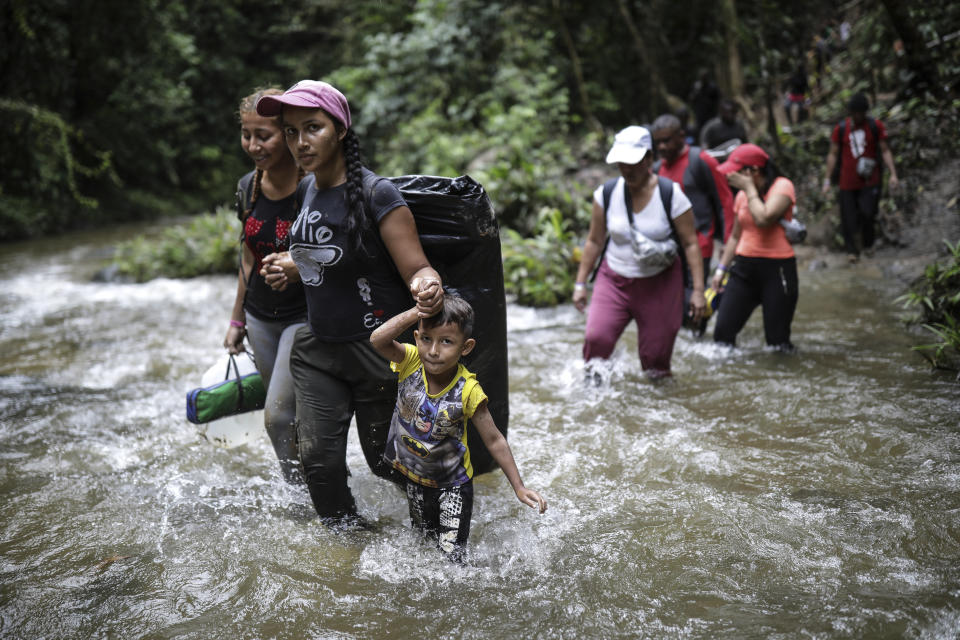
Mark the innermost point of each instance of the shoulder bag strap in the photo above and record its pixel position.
(608, 188)
(666, 198)
(876, 144)
(244, 193)
(704, 178)
(369, 182)
(628, 203)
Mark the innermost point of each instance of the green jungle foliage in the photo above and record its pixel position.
(936, 296)
(481, 95)
(207, 244)
(506, 90)
(53, 169)
(539, 271)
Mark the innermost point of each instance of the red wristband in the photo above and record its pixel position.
(237, 323)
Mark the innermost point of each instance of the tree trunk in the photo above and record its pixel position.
(731, 75)
(768, 95)
(658, 91)
(918, 59)
(770, 99)
(591, 120)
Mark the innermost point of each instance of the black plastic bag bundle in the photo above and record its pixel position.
(460, 235)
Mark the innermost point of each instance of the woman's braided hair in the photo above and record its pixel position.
(356, 223)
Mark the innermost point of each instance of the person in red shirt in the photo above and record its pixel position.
(698, 175)
(856, 142)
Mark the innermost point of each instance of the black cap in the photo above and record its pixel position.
(858, 103)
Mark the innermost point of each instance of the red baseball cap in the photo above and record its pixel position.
(746, 155)
(313, 94)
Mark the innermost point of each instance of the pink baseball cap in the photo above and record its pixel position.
(746, 155)
(311, 94)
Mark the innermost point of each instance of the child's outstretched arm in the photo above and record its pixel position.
(384, 337)
(497, 446)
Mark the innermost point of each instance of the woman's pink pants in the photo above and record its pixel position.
(655, 303)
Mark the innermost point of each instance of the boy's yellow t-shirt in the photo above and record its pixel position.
(428, 433)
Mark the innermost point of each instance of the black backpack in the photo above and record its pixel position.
(702, 177)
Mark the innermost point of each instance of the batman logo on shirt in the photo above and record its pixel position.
(415, 447)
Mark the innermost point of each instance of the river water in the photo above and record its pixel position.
(755, 495)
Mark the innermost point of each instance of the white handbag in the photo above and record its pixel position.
(795, 229)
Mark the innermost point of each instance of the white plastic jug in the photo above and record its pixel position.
(239, 429)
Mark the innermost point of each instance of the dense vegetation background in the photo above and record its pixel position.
(122, 110)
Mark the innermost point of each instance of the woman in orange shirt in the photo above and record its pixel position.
(759, 260)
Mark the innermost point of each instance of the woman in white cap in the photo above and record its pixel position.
(758, 258)
(639, 226)
(355, 248)
(266, 208)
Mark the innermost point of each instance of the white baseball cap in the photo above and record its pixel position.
(630, 146)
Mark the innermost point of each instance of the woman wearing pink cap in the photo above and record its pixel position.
(358, 255)
(757, 257)
(639, 226)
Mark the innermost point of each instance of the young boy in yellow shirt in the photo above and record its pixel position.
(427, 441)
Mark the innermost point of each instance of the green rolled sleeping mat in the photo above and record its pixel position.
(238, 392)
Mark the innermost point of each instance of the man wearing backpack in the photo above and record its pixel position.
(696, 172)
(858, 140)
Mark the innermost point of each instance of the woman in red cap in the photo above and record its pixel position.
(355, 248)
(268, 318)
(757, 257)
